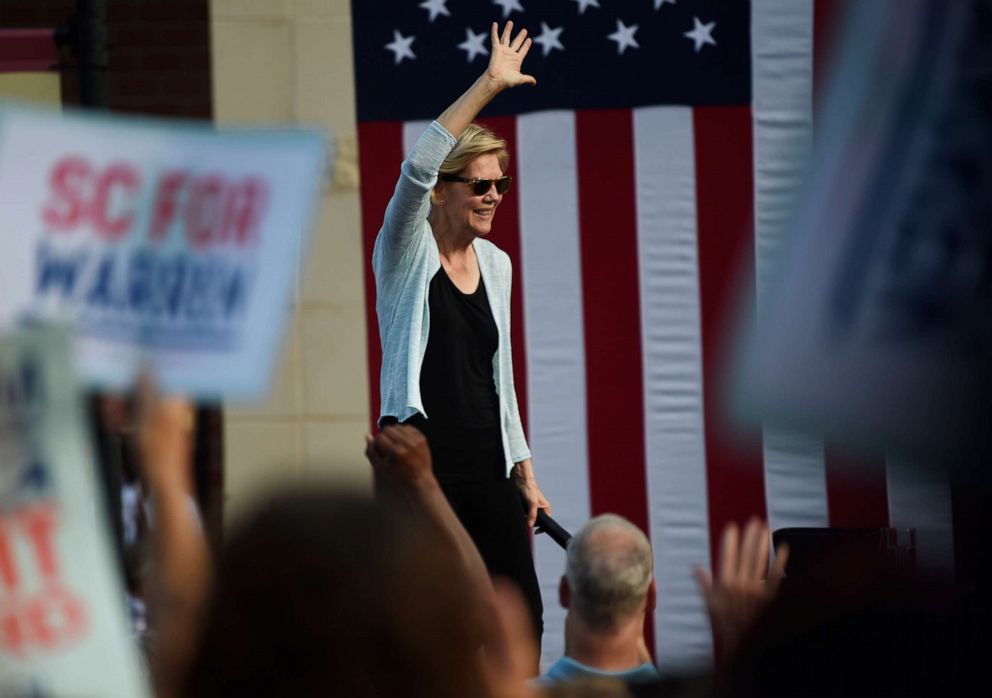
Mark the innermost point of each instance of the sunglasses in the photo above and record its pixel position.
(481, 186)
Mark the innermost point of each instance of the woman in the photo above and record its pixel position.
(443, 302)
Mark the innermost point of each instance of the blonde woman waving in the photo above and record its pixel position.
(443, 303)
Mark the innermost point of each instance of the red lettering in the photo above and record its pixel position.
(8, 569)
(164, 209)
(243, 210)
(203, 210)
(12, 638)
(55, 618)
(51, 617)
(125, 179)
(39, 525)
(66, 207)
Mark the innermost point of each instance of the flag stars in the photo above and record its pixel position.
(701, 34)
(474, 44)
(400, 46)
(624, 36)
(548, 39)
(436, 7)
(583, 4)
(509, 6)
(659, 3)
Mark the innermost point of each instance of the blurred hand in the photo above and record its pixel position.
(507, 56)
(400, 452)
(165, 431)
(744, 586)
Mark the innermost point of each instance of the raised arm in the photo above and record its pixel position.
(411, 200)
(182, 566)
(402, 462)
(505, 61)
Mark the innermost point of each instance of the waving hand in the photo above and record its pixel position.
(507, 57)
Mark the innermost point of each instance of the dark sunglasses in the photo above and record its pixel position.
(481, 186)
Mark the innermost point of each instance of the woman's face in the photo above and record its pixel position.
(462, 208)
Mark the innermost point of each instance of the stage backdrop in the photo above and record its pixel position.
(652, 164)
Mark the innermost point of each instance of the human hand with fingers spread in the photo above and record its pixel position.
(744, 585)
(507, 56)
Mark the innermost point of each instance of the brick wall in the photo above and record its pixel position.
(158, 63)
(158, 52)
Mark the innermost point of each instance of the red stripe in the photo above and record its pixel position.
(611, 313)
(826, 14)
(27, 50)
(857, 494)
(380, 154)
(506, 235)
(725, 229)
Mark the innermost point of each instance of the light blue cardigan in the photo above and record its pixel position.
(405, 259)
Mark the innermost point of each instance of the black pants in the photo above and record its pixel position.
(471, 471)
(493, 515)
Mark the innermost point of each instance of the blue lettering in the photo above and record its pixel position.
(234, 298)
(100, 292)
(60, 272)
(21, 387)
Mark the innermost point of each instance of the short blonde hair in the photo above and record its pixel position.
(475, 140)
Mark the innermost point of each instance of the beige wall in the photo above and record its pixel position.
(289, 61)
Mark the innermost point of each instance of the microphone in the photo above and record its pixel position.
(548, 525)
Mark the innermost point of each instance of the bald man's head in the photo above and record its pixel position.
(609, 571)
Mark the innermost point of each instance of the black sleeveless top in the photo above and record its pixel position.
(457, 384)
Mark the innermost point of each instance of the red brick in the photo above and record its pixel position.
(135, 84)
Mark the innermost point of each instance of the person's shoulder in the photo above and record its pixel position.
(493, 253)
(562, 670)
(566, 668)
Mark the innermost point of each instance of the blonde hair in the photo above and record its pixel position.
(475, 140)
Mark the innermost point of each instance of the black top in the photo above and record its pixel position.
(457, 384)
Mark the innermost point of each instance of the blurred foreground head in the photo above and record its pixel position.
(327, 594)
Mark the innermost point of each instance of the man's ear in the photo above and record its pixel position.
(564, 593)
(652, 597)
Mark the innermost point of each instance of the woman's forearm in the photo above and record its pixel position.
(464, 109)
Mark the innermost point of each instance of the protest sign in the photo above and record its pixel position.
(161, 243)
(63, 621)
(880, 328)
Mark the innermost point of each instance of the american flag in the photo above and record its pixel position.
(653, 164)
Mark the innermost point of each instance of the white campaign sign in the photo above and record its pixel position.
(163, 244)
(63, 619)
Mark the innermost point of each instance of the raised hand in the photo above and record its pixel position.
(400, 452)
(165, 437)
(744, 586)
(507, 56)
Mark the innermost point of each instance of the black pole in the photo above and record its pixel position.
(90, 46)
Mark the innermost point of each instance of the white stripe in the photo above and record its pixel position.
(412, 130)
(782, 84)
(556, 369)
(920, 498)
(673, 402)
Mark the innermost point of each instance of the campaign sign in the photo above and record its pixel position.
(166, 244)
(63, 621)
(880, 328)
